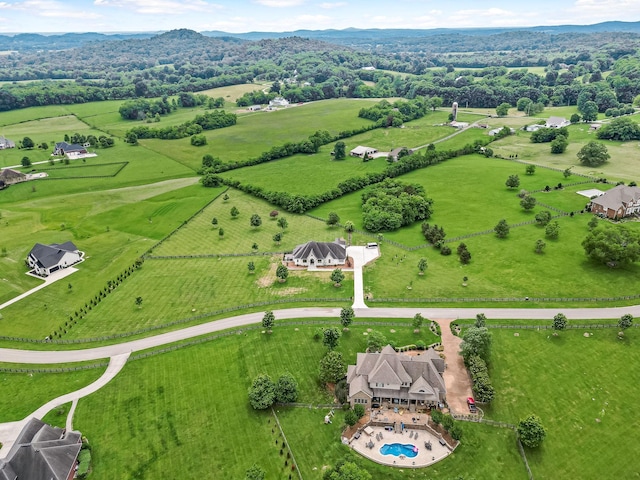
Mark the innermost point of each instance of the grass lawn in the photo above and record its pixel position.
(580, 388)
(153, 417)
(29, 391)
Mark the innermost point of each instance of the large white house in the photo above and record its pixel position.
(279, 102)
(361, 151)
(319, 254)
(46, 259)
(389, 377)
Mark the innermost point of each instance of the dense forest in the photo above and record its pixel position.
(599, 67)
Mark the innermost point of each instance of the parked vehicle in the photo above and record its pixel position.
(472, 405)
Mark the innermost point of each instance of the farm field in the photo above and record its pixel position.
(579, 387)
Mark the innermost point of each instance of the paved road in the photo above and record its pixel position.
(49, 357)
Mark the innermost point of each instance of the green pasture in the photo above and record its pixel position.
(231, 93)
(201, 237)
(94, 169)
(112, 227)
(257, 133)
(156, 403)
(581, 390)
(29, 391)
(621, 166)
(14, 117)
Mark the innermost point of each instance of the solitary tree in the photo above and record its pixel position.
(531, 431)
(225, 197)
(481, 320)
(339, 150)
(513, 181)
(254, 247)
(375, 341)
(337, 277)
(503, 109)
(543, 217)
(559, 144)
(332, 367)
(274, 214)
(234, 212)
(559, 322)
(528, 202)
(286, 389)
(252, 267)
(465, 257)
(214, 221)
(626, 321)
(502, 229)
(349, 228)
(331, 337)
(333, 219)
(139, 301)
(566, 172)
(254, 473)
(262, 392)
(593, 154)
(27, 142)
(282, 223)
(25, 162)
(540, 245)
(422, 266)
(221, 232)
(277, 238)
(282, 273)
(268, 320)
(418, 320)
(255, 220)
(346, 316)
(530, 169)
(552, 230)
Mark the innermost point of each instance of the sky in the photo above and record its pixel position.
(238, 16)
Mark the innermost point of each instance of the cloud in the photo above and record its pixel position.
(490, 17)
(280, 3)
(160, 7)
(50, 8)
(329, 5)
(603, 10)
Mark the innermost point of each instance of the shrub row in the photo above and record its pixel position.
(482, 387)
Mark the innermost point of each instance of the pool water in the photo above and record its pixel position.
(398, 449)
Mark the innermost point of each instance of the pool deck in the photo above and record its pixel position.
(423, 459)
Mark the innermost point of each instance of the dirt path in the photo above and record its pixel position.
(456, 377)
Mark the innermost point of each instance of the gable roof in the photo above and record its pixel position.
(11, 174)
(557, 121)
(320, 250)
(617, 197)
(41, 452)
(69, 147)
(49, 255)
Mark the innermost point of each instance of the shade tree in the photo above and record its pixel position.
(346, 316)
(531, 431)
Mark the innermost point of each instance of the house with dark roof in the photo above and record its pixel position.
(621, 201)
(73, 149)
(46, 259)
(412, 381)
(10, 176)
(6, 143)
(320, 254)
(42, 452)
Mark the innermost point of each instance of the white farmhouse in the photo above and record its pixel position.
(46, 259)
(320, 254)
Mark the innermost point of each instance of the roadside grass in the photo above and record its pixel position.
(254, 134)
(201, 237)
(153, 416)
(29, 391)
(581, 390)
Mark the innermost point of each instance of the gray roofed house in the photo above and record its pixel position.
(64, 148)
(46, 259)
(413, 381)
(10, 176)
(557, 122)
(319, 254)
(42, 452)
(621, 201)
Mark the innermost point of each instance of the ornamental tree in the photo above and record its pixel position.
(559, 322)
(626, 321)
(502, 229)
(332, 367)
(268, 320)
(346, 316)
(337, 277)
(255, 220)
(531, 431)
(331, 337)
(513, 181)
(286, 389)
(593, 154)
(282, 273)
(262, 392)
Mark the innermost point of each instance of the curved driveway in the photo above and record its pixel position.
(44, 357)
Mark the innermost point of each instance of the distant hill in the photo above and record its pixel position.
(356, 35)
(26, 42)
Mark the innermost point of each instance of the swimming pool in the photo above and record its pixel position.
(398, 449)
